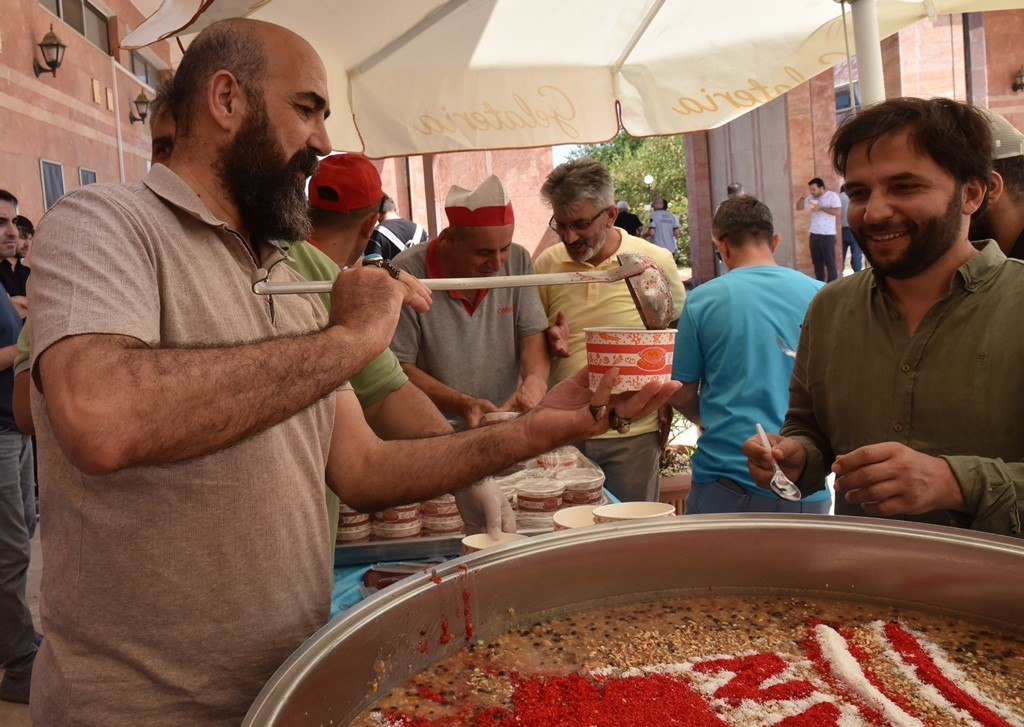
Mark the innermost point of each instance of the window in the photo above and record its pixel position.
(847, 100)
(53, 182)
(144, 70)
(86, 176)
(83, 17)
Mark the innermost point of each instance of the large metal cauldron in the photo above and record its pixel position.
(379, 643)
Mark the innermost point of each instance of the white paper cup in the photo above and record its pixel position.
(617, 512)
(579, 516)
(473, 543)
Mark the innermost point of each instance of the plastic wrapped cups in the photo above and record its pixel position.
(642, 356)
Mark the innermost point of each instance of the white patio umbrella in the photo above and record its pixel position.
(423, 76)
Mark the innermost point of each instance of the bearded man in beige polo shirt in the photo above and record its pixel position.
(187, 427)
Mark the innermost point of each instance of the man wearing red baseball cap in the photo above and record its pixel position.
(344, 196)
(475, 351)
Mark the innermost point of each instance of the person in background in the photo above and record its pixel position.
(393, 233)
(925, 423)
(25, 232)
(626, 220)
(663, 229)
(734, 190)
(581, 195)
(18, 643)
(220, 416)
(475, 351)
(13, 270)
(1002, 218)
(824, 206)
(728, 357)
(849, 241)
(344, 194)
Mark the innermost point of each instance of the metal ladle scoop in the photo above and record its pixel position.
(644, 277)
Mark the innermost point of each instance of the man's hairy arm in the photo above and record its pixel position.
(369, 474)
(406, 413)
(115, 402)
(156, 406)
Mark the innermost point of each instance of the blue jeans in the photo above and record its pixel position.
(850, 243)
(725, 496)
(17, 522)
(630, 465)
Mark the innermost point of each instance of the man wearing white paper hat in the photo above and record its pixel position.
(475, 351)
(1002, 218)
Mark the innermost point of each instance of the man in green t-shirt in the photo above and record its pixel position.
(345, 196)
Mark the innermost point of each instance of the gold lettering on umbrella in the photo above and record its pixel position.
(554, 108)
(755, 94)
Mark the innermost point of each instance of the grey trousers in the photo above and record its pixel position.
(17, 523)
(630, 465)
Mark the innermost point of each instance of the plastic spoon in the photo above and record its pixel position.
(780, 484)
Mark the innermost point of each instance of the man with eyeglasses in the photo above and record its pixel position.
(581, 195)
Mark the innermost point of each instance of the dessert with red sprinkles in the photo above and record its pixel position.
(781, 661)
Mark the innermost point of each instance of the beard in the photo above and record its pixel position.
(593, 246)
(269, 188)
(928, 242)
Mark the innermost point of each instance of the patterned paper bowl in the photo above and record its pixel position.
(642, 356)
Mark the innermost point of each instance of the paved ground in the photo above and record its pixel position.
(16, 715)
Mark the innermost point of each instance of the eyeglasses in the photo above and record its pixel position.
(576, 226)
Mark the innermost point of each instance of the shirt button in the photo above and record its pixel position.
(905, 368)
(898, 427)
(895, 316)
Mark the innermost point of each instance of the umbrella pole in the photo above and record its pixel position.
(869, 51)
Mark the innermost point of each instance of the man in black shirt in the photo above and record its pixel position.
(627, 221)
(393, 233)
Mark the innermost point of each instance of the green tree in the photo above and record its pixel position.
(630, 160)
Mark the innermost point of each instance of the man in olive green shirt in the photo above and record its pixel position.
(345, 195)
(907, 382)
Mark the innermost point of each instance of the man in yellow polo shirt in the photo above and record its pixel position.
(582, 198)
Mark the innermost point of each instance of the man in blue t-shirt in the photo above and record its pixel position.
(733, 354)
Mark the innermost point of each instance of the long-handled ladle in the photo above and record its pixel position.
(645, 278)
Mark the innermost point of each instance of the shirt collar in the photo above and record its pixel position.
(974, 273)
(171, 188)
(983, 267)
(433, 259)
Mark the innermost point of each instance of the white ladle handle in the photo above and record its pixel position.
(264, 287)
